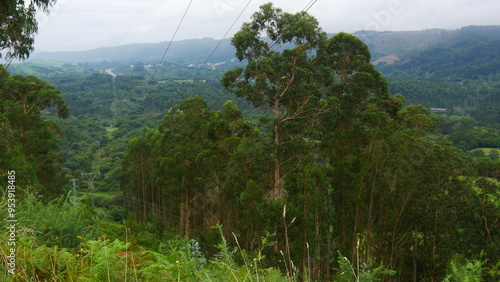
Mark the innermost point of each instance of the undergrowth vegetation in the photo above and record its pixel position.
(61, 242)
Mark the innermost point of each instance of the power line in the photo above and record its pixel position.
(168, 47)
(133, 199)
(213, 51)
(224, 37)
(306, 9)
(303, 12)
(74, 180)
(170, 43)
(91, 177)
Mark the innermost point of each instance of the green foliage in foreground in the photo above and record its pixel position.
(106, 251)
(103, 254)
(363, 273)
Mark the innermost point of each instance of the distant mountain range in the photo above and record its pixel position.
(386, 47)
(436, 67)
(184, 52)
(410, 43)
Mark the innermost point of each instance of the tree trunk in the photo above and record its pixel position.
(277, 185)
(188, 213)
(415, 252)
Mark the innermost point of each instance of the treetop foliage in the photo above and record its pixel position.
(31, 142)
(19, 25)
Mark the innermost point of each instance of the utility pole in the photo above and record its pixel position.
(74, 180)
(91, 177)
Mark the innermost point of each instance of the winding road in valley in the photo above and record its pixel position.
(110, 72)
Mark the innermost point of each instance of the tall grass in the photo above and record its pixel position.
(71, 243)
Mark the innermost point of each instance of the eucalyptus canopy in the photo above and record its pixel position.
(18, 26)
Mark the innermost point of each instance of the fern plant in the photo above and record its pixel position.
(462, 270)
(106, 259)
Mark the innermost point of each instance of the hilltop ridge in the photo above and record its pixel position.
(195, 51)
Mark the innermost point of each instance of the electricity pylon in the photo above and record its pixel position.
(74, 180)
(91, 177)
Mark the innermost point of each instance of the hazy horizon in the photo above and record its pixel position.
(80, 25)
(166, 41)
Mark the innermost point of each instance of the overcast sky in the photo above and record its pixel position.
(75, 25)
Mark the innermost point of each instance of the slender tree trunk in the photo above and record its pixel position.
(415, 252)
(277, 185)
(434, 244)
(328, 254)
(356, 223)
(188, 214)
(329, 236)
(371, 217)
(182, 213)
(143, 186)
(317, 259)
(183, 208)
(486, 226)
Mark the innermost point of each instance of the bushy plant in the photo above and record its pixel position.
(56, 248)
(44, 263)
(464, 270)
(58, 222)
(106, 259)
(36, 263)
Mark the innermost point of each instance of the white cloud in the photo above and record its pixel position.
(86, 24)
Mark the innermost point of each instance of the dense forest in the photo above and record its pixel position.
(299, 160)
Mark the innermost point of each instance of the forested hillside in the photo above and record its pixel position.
(293, 159)
(191, 51)
(452, 73)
